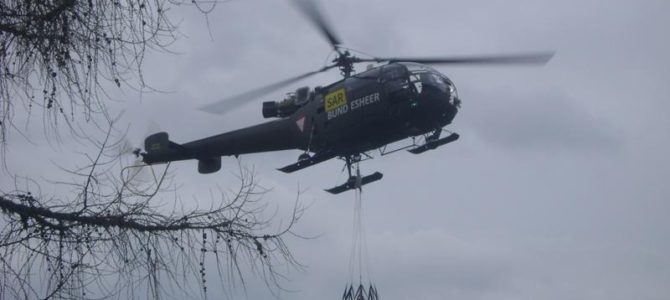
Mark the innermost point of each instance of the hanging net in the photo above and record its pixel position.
(361, 293)
(359, 268)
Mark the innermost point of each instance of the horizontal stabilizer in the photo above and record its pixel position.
(304, 163)
(434, 144)
(352, 184)
(159, 149)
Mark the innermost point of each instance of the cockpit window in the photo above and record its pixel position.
(415, 80)
(434, 81)
(393, 73)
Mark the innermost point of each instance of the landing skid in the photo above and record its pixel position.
(354, 183)
(432, 144)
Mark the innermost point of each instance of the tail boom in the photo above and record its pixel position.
(270, 136)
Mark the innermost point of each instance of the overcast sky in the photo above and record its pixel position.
(557, 188)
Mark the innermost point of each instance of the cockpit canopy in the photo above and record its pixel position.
(424, 77)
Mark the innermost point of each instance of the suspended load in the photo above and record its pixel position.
(358, 259)
(360, 293)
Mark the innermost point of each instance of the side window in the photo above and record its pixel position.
(395, 80)
(416, 83)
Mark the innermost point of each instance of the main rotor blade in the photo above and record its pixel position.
(309, 8)
(511, 59)
(224, 105)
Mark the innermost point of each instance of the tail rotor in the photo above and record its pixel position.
(134, 170)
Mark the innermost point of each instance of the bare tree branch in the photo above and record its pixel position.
(58, 55)
(117, 233)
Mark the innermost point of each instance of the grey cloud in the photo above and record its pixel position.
(539, 121)
(477, 219)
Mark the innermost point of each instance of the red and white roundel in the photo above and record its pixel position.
(301, 123)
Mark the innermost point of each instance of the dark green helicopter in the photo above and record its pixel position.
(403, 98)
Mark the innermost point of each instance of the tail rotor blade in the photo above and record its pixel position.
(135, 171)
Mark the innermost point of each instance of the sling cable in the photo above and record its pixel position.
(358, 257)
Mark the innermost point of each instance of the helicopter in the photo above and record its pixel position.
(399, 99)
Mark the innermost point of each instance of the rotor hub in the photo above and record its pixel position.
(345, 62)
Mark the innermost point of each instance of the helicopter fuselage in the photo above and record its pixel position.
(360, 113)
